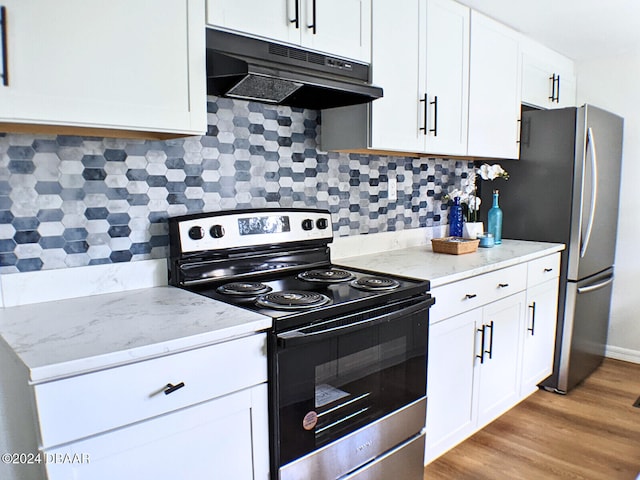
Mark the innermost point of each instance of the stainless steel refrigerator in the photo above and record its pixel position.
(565, 188)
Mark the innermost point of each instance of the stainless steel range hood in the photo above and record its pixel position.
(252, 69)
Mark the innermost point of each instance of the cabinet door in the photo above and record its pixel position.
(548, 79)
(494, 89)
(450, 381)
(211, 440)
(338, 27)
(107, 64)
(397, 116)
(499, 377)
(447, 77)
(272, 19)
(538, 87)
(539, 334)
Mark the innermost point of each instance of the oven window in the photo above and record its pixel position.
(334, 386)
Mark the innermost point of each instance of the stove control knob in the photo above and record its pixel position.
(307, 224)
(322, 223)
(196, 233)
(217, 231)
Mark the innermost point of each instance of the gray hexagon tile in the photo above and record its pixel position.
(69, 201)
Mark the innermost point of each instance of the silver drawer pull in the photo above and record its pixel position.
(170, 388)
(469, 296)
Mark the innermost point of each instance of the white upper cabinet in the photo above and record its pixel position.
(423, 69)
(446, 91)
(548, 79)
(337, 27)
(274, 19)
(114, 64)
(342, 27)
(397, 66)
(494, 89)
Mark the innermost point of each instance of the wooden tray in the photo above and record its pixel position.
(454, 245)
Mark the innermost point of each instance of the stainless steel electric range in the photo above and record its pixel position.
(348, 348)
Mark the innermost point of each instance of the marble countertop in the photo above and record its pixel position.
(68, 337)
(55, 339)
(440, 268)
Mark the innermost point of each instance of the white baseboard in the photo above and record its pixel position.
(625, 354)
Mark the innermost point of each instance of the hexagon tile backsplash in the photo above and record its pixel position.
(69, 201)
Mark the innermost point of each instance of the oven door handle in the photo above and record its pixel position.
(301, 336)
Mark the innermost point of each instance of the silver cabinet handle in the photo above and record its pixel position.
(591, 146)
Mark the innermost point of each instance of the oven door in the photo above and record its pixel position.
(357, 373)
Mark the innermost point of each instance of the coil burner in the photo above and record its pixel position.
(292, 300)
(244, 289)
(329, 275)
(375, 284)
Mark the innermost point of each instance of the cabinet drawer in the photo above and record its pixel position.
(474, 292)
(543, 269)
(80, 406)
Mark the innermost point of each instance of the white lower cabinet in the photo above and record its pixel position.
(499, 362)
(450, 382)
(221, 438)
(200, 413)
(540, 326)
(473, 373)
(483, 355)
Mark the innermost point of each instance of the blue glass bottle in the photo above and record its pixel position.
(495, 220)
(455, 218)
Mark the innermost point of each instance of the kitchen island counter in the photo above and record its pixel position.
(440, 268)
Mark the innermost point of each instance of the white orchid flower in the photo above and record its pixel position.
(474, 203)
(491, 172)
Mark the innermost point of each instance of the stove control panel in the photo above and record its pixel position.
(220, 231)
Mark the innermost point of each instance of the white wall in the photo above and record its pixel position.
(614, 84)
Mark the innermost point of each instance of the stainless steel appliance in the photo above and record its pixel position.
(565, 189)
(252, 69)
(347, 351)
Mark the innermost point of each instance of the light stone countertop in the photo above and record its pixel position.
(56, 339)
(440, 268)
(67, 337)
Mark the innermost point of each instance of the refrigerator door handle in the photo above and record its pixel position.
(595, 286)
(591, 146)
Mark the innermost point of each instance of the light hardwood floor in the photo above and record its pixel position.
(592, 433)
